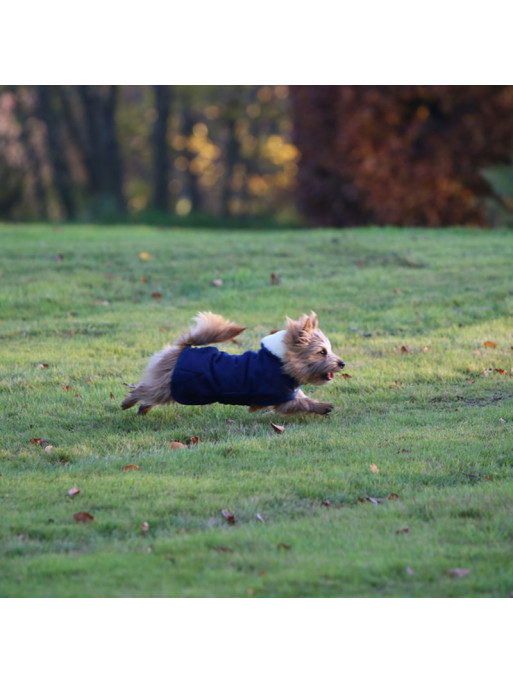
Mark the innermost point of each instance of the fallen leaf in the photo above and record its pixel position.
(490, 344)
(259, 517)
(396, 291)
(405, 350)
(48, 448)
(73, 492)
(131, 466)
(144, 280)
(457, 572)
(425, 349)
(217, 282)
(223, 549)
(111, 396)
(374, 468)
(145, 527)
(405, 530)
(101, 302)
(38, 441)
(392, 496)
(83, 517)
(43, 366)
(156, 295)
(275, 280)
(346, 376)
(283, 546)
(501, 371)
(229, 517)
(279, 429)
(177, 445)
(67, 388)
(145, 256)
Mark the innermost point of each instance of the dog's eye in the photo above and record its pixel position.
(323, 352)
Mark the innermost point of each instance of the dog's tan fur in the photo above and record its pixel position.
(308, 359)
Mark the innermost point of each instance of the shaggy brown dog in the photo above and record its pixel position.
(299, 354)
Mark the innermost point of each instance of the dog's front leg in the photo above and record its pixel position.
(303, 404)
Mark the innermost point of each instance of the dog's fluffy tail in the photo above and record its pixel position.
(209, 328)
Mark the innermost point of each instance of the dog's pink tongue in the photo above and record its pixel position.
(331, 376)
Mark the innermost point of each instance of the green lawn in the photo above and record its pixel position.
(427, 415)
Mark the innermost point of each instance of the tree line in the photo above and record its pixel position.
(324, 155)
(94, 152)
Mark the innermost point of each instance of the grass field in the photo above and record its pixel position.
(410, 478)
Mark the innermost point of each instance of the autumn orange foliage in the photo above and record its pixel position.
(400, 155)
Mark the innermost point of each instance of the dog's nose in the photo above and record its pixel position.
(341, 364)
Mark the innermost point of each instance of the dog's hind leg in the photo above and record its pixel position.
(144, 408)
(135, 396)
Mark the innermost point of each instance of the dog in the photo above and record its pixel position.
(190, 372)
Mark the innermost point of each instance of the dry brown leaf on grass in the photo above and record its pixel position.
(406, 350)
(374, 468)
(131, 466)
(279, 429)
(156, 295)
(177, 445)
(73, 492)
(405, 530)
(39, 441)
(229, 517)
(145, 256)
(83, 517)
(490, 344)
(457, 572)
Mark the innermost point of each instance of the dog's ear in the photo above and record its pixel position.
(314, 319)
(299, 331)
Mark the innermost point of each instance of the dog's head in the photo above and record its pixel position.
(309, 358)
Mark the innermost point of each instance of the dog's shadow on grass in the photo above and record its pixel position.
(212, 423)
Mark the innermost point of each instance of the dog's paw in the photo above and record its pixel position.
(323, 408)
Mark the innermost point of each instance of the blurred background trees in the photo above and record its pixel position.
(208, 155)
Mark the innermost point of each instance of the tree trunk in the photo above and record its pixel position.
(101, 153)
(56, 149)
(160, 151)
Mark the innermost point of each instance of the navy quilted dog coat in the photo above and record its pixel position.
(205, 375)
